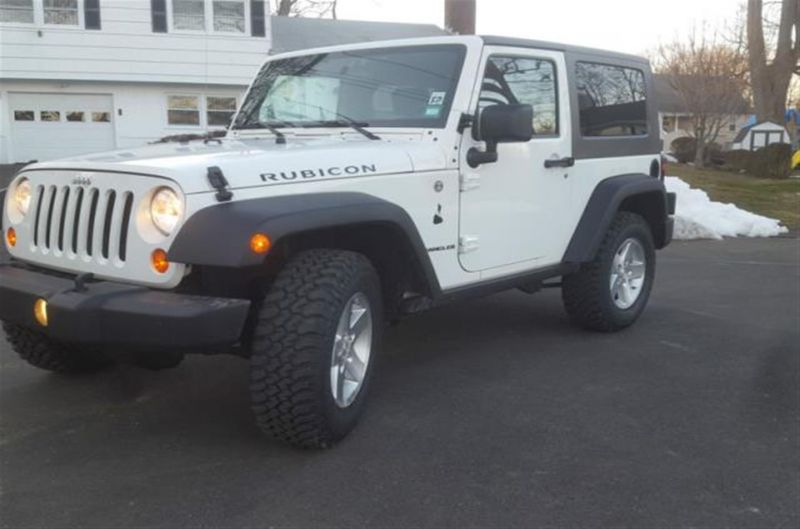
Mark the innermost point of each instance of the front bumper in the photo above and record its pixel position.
(125, 316)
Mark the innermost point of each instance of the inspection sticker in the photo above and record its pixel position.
(437, 98)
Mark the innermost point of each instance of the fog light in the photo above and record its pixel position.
(40, 312)
(11, 237)
(160, 261)
(260, 243)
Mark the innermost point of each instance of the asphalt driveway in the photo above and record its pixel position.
(495, 412)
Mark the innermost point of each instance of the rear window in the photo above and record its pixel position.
(611, 100)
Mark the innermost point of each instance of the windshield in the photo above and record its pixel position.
(384, 87)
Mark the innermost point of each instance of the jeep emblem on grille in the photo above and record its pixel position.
(81, 181)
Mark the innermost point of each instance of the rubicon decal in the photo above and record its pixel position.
(307, 174)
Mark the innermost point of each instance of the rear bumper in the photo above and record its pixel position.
(119, 315)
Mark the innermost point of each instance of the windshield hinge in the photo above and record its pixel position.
(218, 182)
(465, 122)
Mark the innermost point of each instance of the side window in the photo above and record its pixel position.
(189, 15)
(611, 100)
(183, 110)
(522, 80)
(16, 11)
(220, 110)
(62, 12)
(228, 16)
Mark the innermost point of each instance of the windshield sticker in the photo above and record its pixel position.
(437, 98)
(433, 111)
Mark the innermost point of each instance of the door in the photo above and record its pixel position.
(50, 126)
(510, 209)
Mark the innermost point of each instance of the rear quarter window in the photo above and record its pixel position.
(611, 100)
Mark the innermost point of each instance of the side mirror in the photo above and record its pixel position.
(499, 124)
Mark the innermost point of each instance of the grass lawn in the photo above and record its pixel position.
(778, 199)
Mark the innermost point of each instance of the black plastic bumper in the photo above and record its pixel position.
(670, 226)
(125, 316)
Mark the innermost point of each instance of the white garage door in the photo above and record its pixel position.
(51, 126)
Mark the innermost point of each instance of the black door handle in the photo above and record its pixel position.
(560, 162)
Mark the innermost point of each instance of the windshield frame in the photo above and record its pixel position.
(252, 102)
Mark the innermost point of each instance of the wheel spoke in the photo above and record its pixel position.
(637, 270)
(355, 368)
(616, 284)
(359, 320)
(624, 251)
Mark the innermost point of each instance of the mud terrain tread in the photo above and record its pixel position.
(583, 292)
(45, 353)
(300, 307)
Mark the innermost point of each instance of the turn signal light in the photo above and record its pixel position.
(11, 237)
(160, 261)
(40, 312)
(260, 243)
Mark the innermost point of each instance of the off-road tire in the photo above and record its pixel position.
(586, 293)
(293, 341)
(42, 352)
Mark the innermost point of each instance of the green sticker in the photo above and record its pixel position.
(433, 111)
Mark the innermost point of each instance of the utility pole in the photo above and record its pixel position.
(459, 16)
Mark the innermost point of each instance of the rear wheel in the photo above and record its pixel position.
(45, 353)
(611, 292)
(313, 347)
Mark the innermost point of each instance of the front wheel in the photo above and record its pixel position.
(45, 353)
(313, 347)
(611, 292)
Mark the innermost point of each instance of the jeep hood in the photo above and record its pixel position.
(260, 161)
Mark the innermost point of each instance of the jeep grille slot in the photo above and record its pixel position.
(109, 214)
(82, 221)
(89, 239)
(64, 205)
(76, 215)
(38, 202)
(123, 232)
(48, 225)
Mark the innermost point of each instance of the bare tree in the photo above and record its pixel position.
(771, 71)
(306, 8)
(710, 79)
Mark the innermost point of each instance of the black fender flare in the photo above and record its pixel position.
(219, 235)
(606, 200)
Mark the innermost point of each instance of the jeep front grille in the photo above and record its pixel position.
(82, 221)
(94, 222)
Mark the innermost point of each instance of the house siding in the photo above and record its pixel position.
(126, 49)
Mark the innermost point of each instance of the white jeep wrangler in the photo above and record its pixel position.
(356, 184)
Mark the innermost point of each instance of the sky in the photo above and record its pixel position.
(632, 26)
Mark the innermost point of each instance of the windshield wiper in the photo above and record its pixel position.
(280, 137)
(348, 122)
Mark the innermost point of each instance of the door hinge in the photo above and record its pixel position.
(470, 181)
(467, 243)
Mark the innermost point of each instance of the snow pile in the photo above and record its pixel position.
(697, 217)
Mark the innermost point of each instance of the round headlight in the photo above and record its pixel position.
(166, 210)
(22, 196)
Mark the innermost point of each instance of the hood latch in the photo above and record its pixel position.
(218, 182)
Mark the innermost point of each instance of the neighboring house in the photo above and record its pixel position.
(81, 76)
(676, 120)
(760, 135)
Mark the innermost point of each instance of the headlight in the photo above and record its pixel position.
(22, 196)
(166, 210)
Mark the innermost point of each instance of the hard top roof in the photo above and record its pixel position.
(494, 40)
